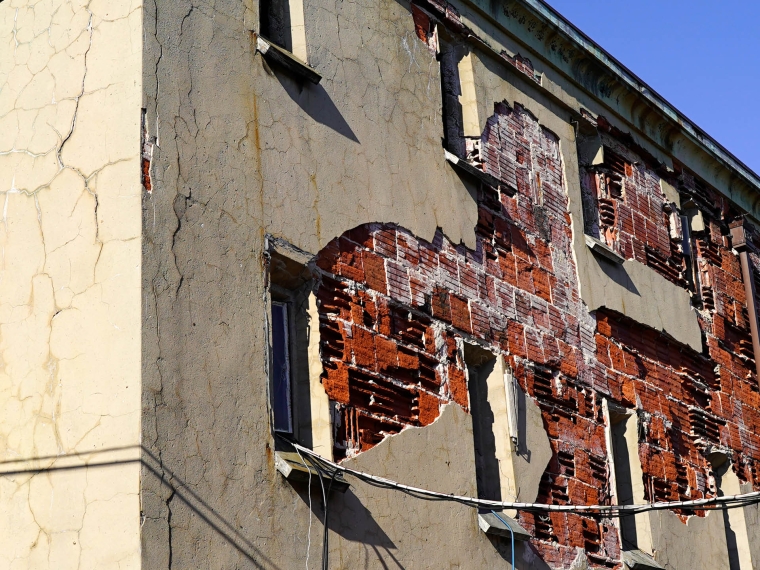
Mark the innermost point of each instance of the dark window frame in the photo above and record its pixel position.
(282, 391)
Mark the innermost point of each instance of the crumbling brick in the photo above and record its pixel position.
(395, 308)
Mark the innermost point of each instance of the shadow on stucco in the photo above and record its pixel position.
(224, 528)
(619, 275)
(352, 521)
(178, 489)
(347, 517)
(316, 103)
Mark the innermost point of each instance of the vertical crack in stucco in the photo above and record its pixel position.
(15, 32)
(77, 99)
(155, 398)
(169, 527)
(180, 207)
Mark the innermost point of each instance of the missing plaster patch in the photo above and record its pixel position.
(425, 28)
(146, 153)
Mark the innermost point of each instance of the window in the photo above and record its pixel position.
(627, 482)
(630, 212)
(282, 398)
(451, 88)
(488, 407)
(624, 470)
(462, 132)
(282, 37)
(740, 555)
(603, 195)
(300, 408)
(493, 403)
(602, 188)
(282, 23)
(493, 399)
(743, 243)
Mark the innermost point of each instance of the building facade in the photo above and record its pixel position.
(453, 244)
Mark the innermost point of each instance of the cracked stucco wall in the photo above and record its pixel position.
(69, 283)
(242, 150)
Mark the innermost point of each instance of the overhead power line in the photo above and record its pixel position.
(715, 503)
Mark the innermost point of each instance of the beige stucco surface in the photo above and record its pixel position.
(69, 283)
(365, 144)
(444, 461)
(244, 150)
(752, 520)
(700, 543)
(735, 520)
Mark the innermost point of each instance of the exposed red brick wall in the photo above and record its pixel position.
(625, 207)
(424, 28)
(395, 309)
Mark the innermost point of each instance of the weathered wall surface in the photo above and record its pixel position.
(602, 284)
(515, 293)
(352, 169)
(365, 144)
(555, 59)
(445, 463)
(70, 89)
(678, 549)
(240, 151)
(392, 295)
(204, 397)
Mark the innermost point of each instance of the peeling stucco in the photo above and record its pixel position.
(620, 288)
(146, 150)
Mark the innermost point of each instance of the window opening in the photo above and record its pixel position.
(493, 406)
(480, 365)
(282, 402)
(451, 89)
(299, 404)
(493, 400)
(627, 479)
(282, 23)
(687, 256)
(623, 480)
(734, 522)
(742, 242)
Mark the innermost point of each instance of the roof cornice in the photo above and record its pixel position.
(592, 50)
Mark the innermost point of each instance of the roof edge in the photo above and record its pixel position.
(585, 43)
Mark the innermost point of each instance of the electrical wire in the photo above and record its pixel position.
(511, 534)
(325, 503)
(715, 503)
(318, 469)
(325, 547)
(308, 541)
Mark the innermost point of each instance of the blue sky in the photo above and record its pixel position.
(703, 56)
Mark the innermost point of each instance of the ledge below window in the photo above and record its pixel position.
(602, 249)
(275, 55)
(489, 523)
(295, 470)
(638, 560)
